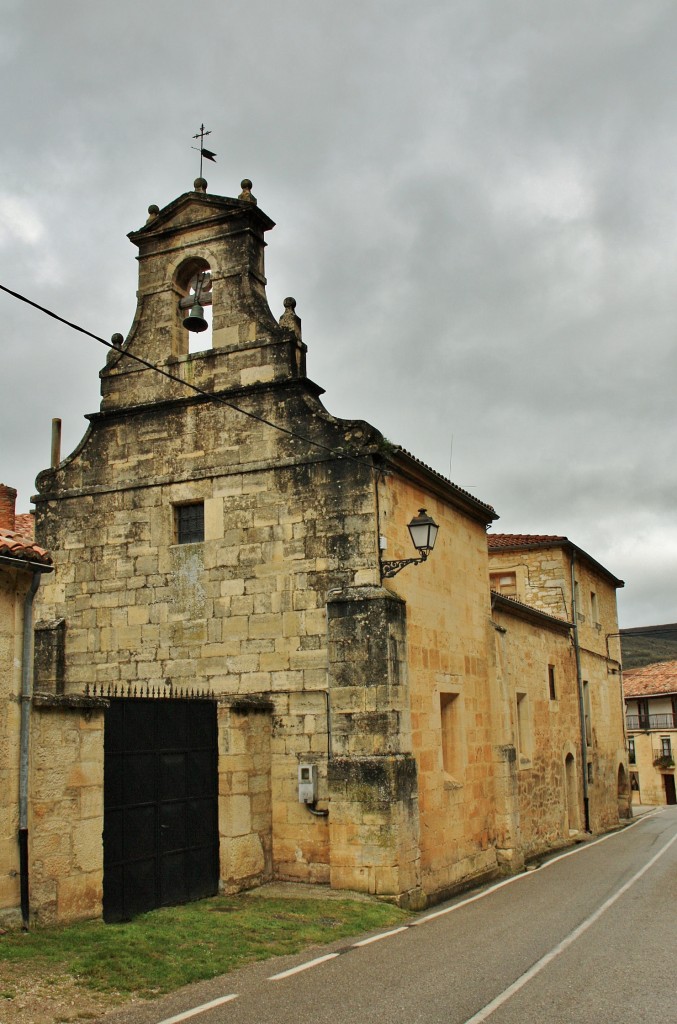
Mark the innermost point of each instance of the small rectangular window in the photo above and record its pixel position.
(666, 746)
(504, 583)
(190, 523)
(632, 756)
(551, 682)
(594, 607)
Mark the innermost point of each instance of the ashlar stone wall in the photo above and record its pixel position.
(449, 681)
(544, 728)
(66, 809)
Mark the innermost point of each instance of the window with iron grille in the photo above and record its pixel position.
(190, 523)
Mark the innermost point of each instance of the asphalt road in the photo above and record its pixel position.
(588, 937)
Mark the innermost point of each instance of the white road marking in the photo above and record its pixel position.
(490, 1007)
(303, 967)
(198, 1009)
(536, 968)
(382, 935)
(526, 874)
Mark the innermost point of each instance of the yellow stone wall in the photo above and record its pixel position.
(544, 582)
(65, 812)
(448, 624)
(13, 587)
(525, 649)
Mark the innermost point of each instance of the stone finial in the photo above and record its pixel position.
(246, 193)
(289, 319)
(200, 185)
(153, 211)
(117, 340)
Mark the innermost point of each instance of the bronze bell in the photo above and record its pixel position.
(195, 321)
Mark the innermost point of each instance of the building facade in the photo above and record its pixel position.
(22, 566)
(651, 719)
(553, 575)
(263, 699)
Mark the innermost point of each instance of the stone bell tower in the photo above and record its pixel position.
(204, 249)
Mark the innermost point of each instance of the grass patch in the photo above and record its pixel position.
(165, 949)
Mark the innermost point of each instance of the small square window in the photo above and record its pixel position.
(190, 523)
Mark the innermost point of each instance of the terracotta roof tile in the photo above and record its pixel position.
(24, 523)
(661, 677)
(440, 476)
(521, 540)
(526, 541)
(17, 545)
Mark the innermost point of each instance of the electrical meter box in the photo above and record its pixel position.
(307, 783)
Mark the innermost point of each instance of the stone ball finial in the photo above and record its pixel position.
(153, 211)
(289, 319)
(200, 185)
(246, 193)
(117, 340)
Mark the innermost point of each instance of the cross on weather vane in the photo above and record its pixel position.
(206, 153)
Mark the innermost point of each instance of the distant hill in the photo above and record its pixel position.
(647, 644)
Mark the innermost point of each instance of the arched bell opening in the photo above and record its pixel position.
(193, 284)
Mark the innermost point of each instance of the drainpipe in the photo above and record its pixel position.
(581, 701)
(26, 680)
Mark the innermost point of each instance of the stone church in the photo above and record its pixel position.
(242, 682)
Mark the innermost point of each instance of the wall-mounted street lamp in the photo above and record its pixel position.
(423, 530)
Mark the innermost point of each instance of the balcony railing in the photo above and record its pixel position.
(667, 721)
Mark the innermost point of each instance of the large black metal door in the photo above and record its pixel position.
(160, 838)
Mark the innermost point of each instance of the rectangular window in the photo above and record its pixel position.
(551, 682)
(504, 583)
(632, 756)
(594, 607)
(190, 523)
(643, 713)
(666, 747)
(523, 728)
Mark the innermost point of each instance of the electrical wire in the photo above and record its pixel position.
(337, 452)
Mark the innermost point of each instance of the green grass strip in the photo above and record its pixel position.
(165, 949)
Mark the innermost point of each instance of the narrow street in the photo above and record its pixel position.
(588, 937)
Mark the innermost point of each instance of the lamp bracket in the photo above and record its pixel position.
(391, 568)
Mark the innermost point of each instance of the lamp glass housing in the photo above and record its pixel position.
(423, 530)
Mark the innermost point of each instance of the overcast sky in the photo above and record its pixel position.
(476, 207)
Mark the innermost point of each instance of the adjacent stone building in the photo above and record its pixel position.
(277, 704)
(555, 576)
(651, 717)
(22, 565)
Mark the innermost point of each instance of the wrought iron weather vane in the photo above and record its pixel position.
(206, 153)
